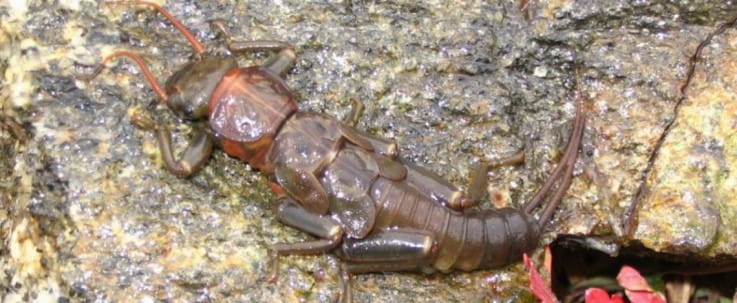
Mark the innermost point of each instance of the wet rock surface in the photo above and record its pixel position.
(90, 213)
(693, 178)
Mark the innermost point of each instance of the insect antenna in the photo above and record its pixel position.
(196, 45)
(142, 65)
(568, 161)
(554, 176)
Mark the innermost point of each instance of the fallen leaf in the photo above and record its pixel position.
(598, 295)
(644, 297)
(539, 288)
(636, 287)
(630, 278)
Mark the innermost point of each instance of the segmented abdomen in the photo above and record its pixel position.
(465, 240)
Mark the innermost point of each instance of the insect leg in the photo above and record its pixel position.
(328, 230)
(431, 185)
(393, 250)
(194, 156)
(356, 113)
(280, 63)
(479, 180)
(379, 145)
(345, 285)
(448, 195)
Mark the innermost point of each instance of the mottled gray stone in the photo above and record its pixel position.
(90, 213)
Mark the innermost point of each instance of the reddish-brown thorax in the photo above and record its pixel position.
(247, 109)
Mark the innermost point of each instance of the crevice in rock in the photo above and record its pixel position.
(576, 267)
(630, 214)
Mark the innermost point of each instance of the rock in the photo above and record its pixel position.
(90, 213)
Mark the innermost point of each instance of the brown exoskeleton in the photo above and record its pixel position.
(339, 184)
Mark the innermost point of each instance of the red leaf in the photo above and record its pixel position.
(598, 295)
(636, 287)
(644, 297)
(539, 288)
(630, 279)
(617, 299)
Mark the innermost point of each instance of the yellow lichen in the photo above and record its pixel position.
(692, 184)
(24, 251)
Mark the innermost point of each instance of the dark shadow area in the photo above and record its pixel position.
(576, 268)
